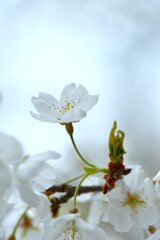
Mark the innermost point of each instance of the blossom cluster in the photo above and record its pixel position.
(116, 201)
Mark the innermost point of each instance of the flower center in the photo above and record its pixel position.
(133, 200)
(71, 232)
(68, 106)
(65, 105)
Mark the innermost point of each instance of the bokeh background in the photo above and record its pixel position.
(112, 47)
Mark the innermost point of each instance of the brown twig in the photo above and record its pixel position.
(69, 193)
(65, 188)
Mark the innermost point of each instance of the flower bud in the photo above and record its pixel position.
(12, 237)
(69, 128)
(116, 149)
(74, 210)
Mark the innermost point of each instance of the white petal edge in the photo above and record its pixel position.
(68, 90)
(88, 102)
(11, 150)
(44, 118)
(48, 98)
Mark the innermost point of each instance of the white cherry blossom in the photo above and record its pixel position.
(11, 150)
(11, 153)
(72, 227)
(73, 105)
(32, 178)
(156, 180)
(133, 201)
(155, 236)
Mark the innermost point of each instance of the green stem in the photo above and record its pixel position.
(73, 179)
(77, 189)
(84, 160)
(20, 219)
(103, 170)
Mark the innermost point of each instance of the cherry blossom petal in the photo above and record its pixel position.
(5, 178)
(155, 236)
(48, 98)
(29, 196)
(43, 107)
(88, 102)
(44, 117)
(157, 177)
(30, 167)
(68, 90)
(73, 116)
(80, 92)
(11, 151)
(2, 207)
(138, 181)
(120, 218)
(146, 216)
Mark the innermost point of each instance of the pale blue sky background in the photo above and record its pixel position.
(110, 46)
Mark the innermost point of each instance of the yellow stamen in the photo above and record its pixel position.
(133, 200)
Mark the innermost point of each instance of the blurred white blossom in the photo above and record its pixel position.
(155, 236)
(11, 153)
(32, 179)
(71, 227)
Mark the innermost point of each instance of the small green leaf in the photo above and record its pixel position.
(116, 149)
(95, 170)
(90, 170)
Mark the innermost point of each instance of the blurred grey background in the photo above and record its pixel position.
(112, 47)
